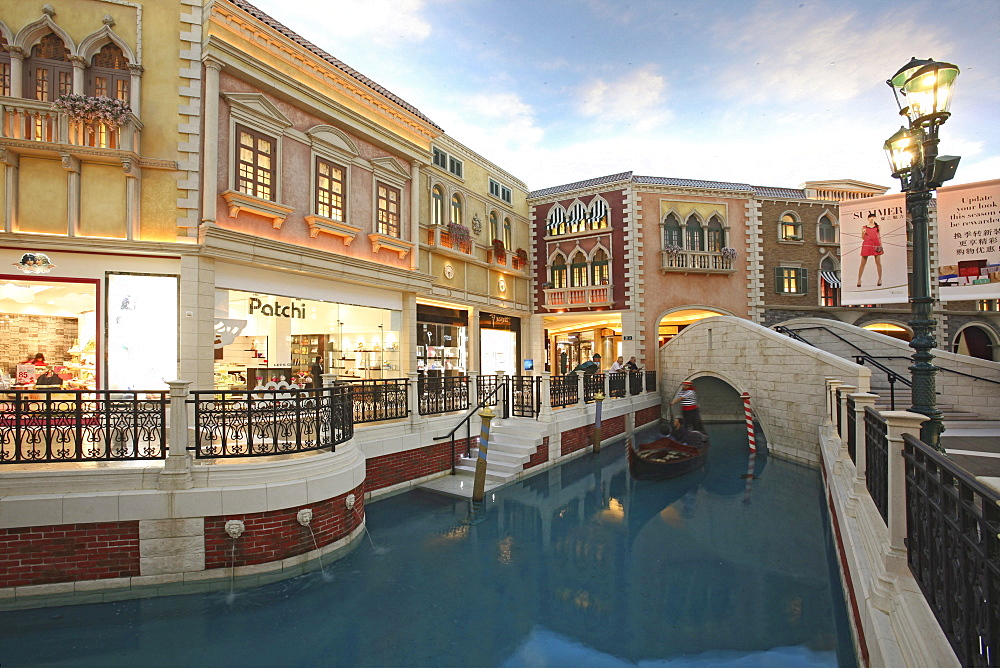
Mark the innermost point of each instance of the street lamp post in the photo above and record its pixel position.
(927, 86)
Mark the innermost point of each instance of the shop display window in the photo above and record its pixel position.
(266, 338)
(56, 319)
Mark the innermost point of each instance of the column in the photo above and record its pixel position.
(415, 213)
(176, 472)
(898, 423)
(135, 79)
(210, 144)
(845, 391)
(17, 56)
(11, 162)
(72, 167)
(133, 181)
(831, 397)
(545, 407)
(408, 334)
(861, 400)
(475, 341)
(535, 345)
(79, 69)
(413, 400)
(197, 325)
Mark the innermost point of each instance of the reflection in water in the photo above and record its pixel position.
(578, 565)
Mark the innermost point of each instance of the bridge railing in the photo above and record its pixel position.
(946, 522)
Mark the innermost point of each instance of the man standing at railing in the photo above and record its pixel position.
(618, 365)
(632, 365)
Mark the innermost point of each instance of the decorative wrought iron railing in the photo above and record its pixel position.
(953, 548)
(650, 381)
(837, 412)
(592, 384)
(39, 426)
(442, 394)
(877, 460)
(616, 384)
(852, 430)
(378, 400)
(497, 396)
(486, 387)
(635, 382)
(564, 391)
(260, 423)
(525, 396)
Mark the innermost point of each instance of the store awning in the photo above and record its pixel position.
(831, 278)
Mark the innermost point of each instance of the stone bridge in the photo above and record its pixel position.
(787, 380)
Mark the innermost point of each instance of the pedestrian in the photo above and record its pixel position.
(617, 365)
(632, 365)
(689, 406)
(316, 371)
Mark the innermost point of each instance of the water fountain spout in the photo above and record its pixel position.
(235, 529)
(304, 518)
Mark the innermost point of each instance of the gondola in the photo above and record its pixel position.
(668, 457)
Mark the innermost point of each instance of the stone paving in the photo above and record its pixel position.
(975, 446)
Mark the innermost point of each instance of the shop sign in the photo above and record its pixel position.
(277, 309)
(494, 321)
(35, 263)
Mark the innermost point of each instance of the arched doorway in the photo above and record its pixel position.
(673, 323)
(890, 329)
(975, 342)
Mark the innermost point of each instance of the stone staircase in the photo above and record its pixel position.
(904, 400)
(512, 444)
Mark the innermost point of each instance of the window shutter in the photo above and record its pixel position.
(804, 278)
(778, 280)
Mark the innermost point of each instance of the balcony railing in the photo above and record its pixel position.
(705, 262)
(38, 122)
(439, 236)
(44, 426)
(49, 426)
(595, 295)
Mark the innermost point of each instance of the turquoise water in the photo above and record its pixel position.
(576, 566)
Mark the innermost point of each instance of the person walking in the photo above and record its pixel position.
(689, 406)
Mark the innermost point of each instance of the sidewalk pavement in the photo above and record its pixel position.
(975, 446)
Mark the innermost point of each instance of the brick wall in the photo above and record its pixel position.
(277, 535)
(576, 439)
(541, 455)
(68, 553)
(401, 467)
(647, 415)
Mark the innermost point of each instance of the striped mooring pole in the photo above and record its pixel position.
(479, 484)
(599, 399)
(749, 417)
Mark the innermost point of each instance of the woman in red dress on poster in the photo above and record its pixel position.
(871, 246)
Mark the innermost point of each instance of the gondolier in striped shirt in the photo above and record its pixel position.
(689, 406)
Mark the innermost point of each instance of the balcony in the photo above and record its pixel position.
(33, 124)
(506, 261)
(579, 297)
(440, 237)
(696, 262)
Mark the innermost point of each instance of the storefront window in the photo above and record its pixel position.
(442, 341)
(55, 318)
(498, 335)
(260, 339)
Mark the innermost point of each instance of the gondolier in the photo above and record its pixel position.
(689, 406)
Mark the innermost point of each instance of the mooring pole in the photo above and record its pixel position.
(599, 398)
(479, 485)
(748, 414)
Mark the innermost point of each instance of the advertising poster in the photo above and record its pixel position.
(142, 331)
(873, 251)
(969, 241)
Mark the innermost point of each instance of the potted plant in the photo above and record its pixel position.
(84, 108)
(522, 257)
(728, 253)
(499, 252)
(459, 235)
(673, 249)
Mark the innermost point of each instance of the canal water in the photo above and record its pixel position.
(577, 566)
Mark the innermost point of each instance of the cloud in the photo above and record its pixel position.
(636, 99)
(817, 50)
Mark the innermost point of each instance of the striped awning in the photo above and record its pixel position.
(831, 278)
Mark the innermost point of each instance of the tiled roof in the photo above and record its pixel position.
(779, 193)
(589, 183)
(302, 41)
(690, 183)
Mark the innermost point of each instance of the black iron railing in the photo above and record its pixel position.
(635, 382)
(564, 391)
(953, 549)
(486, 386)
(837, 411)
(877, 460)
(592, 384)
(525, 396)
(650, 381)
(442, 394)
(852, 433)
(497, 396)
(259, 423)
(379, 400)
(890, 375)
(616, 384)
(38, 426)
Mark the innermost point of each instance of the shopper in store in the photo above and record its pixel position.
(316, 371)
(37, 360)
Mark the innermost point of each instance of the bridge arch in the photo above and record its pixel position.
(672, 321)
